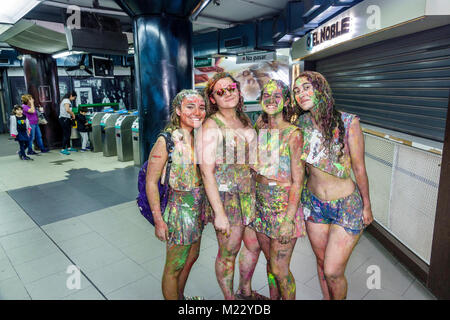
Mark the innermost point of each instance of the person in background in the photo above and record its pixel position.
(20, 130)
(84, 128)
(29, 110)
(65, 119)
(182, 223)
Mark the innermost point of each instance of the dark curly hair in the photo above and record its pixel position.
(287, 108)
(212, 108)
(328, 118)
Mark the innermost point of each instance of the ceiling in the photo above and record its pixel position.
(218, 14)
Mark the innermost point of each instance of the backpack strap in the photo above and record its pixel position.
(170, 146)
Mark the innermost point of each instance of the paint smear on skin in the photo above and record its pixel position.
(271, 280)
(271, 89)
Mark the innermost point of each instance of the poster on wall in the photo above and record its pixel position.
(64, 87)
(251, 76)
(84, 95)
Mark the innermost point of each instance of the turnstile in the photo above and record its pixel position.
(96, 133)
(136, 146)
(109, 134)
(124, 141)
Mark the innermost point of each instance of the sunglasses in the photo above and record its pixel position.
(231, 87)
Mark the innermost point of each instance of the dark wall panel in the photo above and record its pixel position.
(399, 84)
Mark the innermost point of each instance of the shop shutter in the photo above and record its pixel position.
(400, 84)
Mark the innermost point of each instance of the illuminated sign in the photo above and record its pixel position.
(328, 32)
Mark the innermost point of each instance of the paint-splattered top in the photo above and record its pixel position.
(184, 173)
(315, 152)
(274, 154)
(232, 171)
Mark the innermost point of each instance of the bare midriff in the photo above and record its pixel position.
(328, 187)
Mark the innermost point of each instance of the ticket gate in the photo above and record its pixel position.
(124, 141)
(109, 134)
(136, 143)
(96, 133)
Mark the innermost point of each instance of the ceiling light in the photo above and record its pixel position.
(13, 10)
(65, 54)
(328, 12)
(4, 27)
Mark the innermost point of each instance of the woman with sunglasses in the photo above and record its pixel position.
(335, 208)
(182, 224)
(225, 145)
(279, 219)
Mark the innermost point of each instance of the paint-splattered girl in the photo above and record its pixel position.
(225, 143)
(336, 210)
(182, 223)
(279, 220)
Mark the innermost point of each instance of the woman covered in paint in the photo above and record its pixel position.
(182, 223)
(279, 219)
(225, 146)
(335, 208)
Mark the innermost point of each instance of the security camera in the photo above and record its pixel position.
(217, 2)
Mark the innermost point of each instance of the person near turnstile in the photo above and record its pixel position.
(336, 209)
(181, 224)
(65, 120)
(29, 110)
(84, 128)
(20, 130)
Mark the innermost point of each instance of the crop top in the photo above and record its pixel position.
(315, 153)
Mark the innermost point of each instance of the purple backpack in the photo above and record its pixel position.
(141, 199)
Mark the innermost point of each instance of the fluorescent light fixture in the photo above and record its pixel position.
(65, 54)
(311, 10)
(13, 10)
(4, 27)
(328, 12)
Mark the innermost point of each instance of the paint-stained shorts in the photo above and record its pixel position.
(185, 216)
(346, 212)
(239, 208)
(271, 208)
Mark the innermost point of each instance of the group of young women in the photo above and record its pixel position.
(265, 186)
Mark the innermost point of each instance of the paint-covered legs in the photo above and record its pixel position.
(179, 261)
(278, 255)
(332, 246)
(248, 258)
(226, 257)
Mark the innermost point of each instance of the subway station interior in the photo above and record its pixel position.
(387, 61)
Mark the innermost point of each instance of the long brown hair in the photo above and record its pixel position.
(212, 108)
(328, 117)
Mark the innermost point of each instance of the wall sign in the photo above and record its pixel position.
(254, 58)
(328, 32)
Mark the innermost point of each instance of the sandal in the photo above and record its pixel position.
(254, 296)
(193, 298)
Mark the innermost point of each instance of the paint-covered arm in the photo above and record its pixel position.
(156, 162)
(297, 176)
(206, 145)
(356, 146)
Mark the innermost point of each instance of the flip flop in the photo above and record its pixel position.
(193, 298)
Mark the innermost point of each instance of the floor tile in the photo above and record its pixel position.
(97, 258)
(418, 292)
(156, 267)
(6, 270)
(82, 243)
(382, 294)
(34, 250)
(142, 252)
(147, 288)
(17, 225)
(13, 289)
(54, 287)
(66, 229)
(42, 267)
(22, 238)
(89, 293)
(116, 275)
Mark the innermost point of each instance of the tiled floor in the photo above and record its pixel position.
(115, 247)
